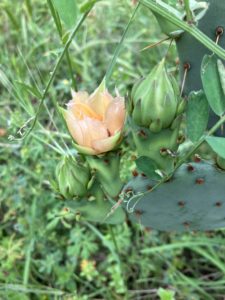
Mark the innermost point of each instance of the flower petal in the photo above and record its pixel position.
(115, 115)
(85, 150)
(82, 110)
(99, 102)
(80, 97)
(92, 130)
(105, 145)
(74, 127)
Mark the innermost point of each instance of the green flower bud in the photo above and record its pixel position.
(220, 162)
(72, 177)
(155, 100)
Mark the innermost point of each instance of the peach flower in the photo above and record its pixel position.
(95, 121)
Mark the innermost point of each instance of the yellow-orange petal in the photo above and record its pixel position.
(115, 115)
(105, 145)
(92, 130)
(74, 127)
(80, 97)
(82, 110)
(99, 102)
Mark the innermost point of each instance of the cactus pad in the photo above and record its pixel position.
(193, 199)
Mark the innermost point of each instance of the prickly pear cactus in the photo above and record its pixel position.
(167, 127)
(193, 199)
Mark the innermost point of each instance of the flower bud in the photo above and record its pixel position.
(154, 100)
(72, 177)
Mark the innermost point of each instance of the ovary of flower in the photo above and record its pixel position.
(95, 121)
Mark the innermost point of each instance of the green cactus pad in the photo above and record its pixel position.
(193, 200)
(192, 52)
(96, 207)
(94, 211)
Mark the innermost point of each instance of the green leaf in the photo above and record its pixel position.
(217, 144)
(166, 294)
(87, 5)
(67, 10)
(212, 84)
(148, 167)
(221, 69)
(197, 115)
(30, 89)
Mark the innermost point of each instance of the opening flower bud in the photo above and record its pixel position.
(154, 99)
(95, 121)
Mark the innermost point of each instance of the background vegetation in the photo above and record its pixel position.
(45, 253)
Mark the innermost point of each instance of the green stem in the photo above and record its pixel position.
(119, 46)
(74, 32)
(188, 11)
(60, 32)
(190, 28)
(113, 238)
(26, 273)
(30, 247)
(71, 70)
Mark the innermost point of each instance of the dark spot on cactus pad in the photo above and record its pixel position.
(218, 204)
(106, 161)
(128, 190)
(143, 175)
(197, 158)
(135, 173)
(138, 212)
(142, 133)
(181, 203)
(149, 188)
(168, 180)
(200, 181)
(187, 66)
(180, 139)
(66, 209)
(219, 31)
(148, 229)
(190, 168)
(163, 151)
(186, 224)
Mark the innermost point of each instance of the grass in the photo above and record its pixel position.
(44, 252)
